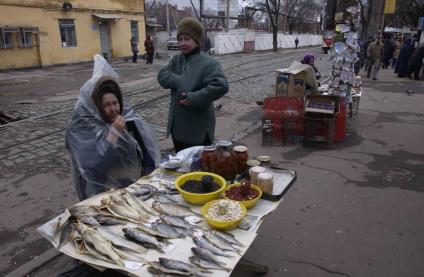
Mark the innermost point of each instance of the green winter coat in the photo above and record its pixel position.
(202, 78)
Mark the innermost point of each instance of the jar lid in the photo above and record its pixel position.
(257, 169)
(263, 158)
(224, 143)
(240, 148)
(265, 176)
(253, 163)
(209, 148)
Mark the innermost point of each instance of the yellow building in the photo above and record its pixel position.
(41, 33)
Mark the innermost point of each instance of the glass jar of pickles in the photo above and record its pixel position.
(209, 158)
(226, 163)
(241, 156)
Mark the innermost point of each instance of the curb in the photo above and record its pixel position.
(35, 263)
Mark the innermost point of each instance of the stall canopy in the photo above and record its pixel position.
(114, 17)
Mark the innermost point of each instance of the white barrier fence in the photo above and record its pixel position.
(226, 43)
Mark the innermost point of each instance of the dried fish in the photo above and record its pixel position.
(206, 255)
(166, 229)
(220, 242)
(164, 198)
(206, 264)
(109, 220)
(169, 191)
(85, 214)
(102, 246)
(119, 241)
(156, 267)
(229, 238)
(142, 208)
(153, 232)
(173, 209)
(145, 197)
(182, 266)
(143, 187)
(118, 207)
(143, 238)
(202, 243)
(176, 221)
(184, 232)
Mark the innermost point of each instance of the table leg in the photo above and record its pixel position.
(246, 265)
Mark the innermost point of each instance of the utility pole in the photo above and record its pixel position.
(167, 17)
(227, 15)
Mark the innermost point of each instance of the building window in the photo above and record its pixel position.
(25, 38)
(68, 36)
(7, 37)
(134, 30)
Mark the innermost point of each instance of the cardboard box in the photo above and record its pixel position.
(291, 82)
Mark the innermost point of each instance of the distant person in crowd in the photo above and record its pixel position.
(358, 65)
(402, 64)
(415, 41)
(134, 49)
(310, 60)
(387, 52)
(396, 50)
(195, 80)
(149, 47)
(296, 42)
(109, 144)
(416, 62)
(374, 51)
(366, 55)
(207, 45)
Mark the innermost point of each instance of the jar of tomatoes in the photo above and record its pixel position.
(226, 163)
(209, 158)
(241, 156)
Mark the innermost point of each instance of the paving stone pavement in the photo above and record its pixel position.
(35, 147)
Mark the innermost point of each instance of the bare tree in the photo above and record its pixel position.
(299, 12)
(274, 9)
(407, 13)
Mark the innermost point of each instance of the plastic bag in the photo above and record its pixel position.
(183, 161)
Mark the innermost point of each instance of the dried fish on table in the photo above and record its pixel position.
(85, 214)
(164, 198)
(110, 220)
(166, 229)
(153, 232)
(119, 241)
(100, 245)
(207, 255)
(139, 205)
(143, 238)
(173, 209)
(176, 221)
(220, 242)
(156, 267)
(119, 208)
(229, 238)
(206, 264)
(202, 243)
(182, 266)
(141, 188)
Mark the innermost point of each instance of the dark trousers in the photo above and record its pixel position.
(414, 69)
(134, 59)
(149, 59)
(180, 145)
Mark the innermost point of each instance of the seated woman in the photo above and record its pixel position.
(109, 144)
(309, 59)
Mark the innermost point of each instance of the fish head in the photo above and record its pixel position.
(81, 227)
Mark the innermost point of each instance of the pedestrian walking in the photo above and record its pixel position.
(416, 62)
(134, 48)
(374, 51)
(207, 47)
(196, 80)
(402, 64)
(109, 144)
(396, 51)
(366, 55)
(149, 47)
(296, 42)
(387, 52)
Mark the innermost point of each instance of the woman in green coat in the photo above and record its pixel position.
(195, 80)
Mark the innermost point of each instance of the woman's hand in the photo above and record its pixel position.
(118, 126)
(184, 100)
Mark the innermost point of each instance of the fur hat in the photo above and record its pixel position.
(192, 28)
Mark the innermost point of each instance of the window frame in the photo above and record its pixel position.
(135, 32)
(11, 33)
(68, 29)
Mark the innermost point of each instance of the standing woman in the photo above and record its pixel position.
(196, 80)
(404, 56)
(149, 47)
